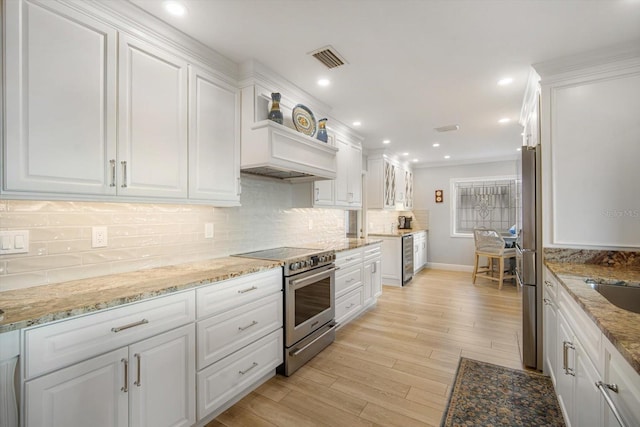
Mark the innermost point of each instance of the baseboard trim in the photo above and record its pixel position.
(450, 267)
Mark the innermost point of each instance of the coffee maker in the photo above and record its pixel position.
(404, 222)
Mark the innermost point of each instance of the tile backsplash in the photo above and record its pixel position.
(153, 235)
(382, 221)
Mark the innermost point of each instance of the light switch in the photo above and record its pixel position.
(14, 242)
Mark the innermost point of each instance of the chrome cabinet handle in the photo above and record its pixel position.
(566, 345)
(604, 389)
(317, 194)
(242, 328)
(112, 162)
(374, 268)
(137, 381)
(124, 173)
(125, 387)
(253, 365)
(244, 291)
(548, 284)
(349, 306)
(130, 325)
(547, 302)
(239, 186)
(350, 280)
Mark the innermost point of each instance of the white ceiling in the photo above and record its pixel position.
(413, 65)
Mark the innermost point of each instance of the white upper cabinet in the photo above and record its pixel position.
(214, 139)
(95, 113)
(60, 100)
(152, 143)
(348, 183)
(389, 183)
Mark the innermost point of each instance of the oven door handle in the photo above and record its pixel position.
(313, 277)
(331, 325)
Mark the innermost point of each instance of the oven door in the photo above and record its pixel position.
(309, 302)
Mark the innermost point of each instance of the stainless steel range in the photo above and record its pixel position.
(309, 301)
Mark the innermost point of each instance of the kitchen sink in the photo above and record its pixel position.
(618, 292)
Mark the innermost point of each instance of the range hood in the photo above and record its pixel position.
(273, 150)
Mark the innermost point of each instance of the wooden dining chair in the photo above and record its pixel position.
(490, 244)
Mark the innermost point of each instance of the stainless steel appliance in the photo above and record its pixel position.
(309, 302)
(404, 222)
(529, 258)
(407, 258)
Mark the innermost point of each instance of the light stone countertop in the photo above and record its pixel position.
(621, 327)
(399, 233)
(41, 304)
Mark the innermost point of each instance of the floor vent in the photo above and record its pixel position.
(329, 57)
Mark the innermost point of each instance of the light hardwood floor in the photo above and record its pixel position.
(395, 364)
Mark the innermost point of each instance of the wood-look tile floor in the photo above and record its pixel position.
(395, 364)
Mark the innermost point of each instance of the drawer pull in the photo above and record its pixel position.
(253, 365)
(603, 387)
(566, 345)
(137, 381)
(244, 291)
(112, 162)
(124, 173)
(349, 259)
(547, 302)
(350, 280)
(125, 387)
(548, 284)
(130, 325)
(349, 306)
(242, 328)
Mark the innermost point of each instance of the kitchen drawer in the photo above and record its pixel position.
(222, 296)
(349, 304)
(346, 259)
(372, 252)
(348, 279)
(583, 327)
(54, 346)
(227, 332)
(225, 379)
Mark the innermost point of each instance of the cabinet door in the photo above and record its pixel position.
(587, 396)
(162, 379)
(389, 184)
(91, 393)
(323, 193)
(214, 139)
(354, 195)
(367, 282)
(566, 368)
(152, 143)
(392, 260)
(376, 278)
(342, 174)
(60, 94)
(550, 320)
(408, 189)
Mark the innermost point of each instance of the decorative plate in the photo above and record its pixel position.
(303, 120)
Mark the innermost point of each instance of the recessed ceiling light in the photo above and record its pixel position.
(324, 82)
(522, 134)
(436, 145)
(415, 160)
(357, 123)
(405, 154)
(504, 120)
(447, 157)
(505, 81)
(518, 149)
(386, 141)
(175, 8)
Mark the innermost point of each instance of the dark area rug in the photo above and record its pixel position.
(490, 395)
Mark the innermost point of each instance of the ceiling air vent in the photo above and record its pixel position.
(447, 128)
(329, 57)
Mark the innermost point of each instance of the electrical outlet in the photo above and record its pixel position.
(208, 230)
(310, 224)
(14, 242)
(99, 237)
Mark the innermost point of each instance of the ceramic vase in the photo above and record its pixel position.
(322, 130)
(275, 114)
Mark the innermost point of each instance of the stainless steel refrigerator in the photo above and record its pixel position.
(529, 258)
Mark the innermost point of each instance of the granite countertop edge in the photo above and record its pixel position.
(614, 322)
(400, 233)
(47, 303)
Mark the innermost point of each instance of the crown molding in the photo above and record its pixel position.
(467, 162)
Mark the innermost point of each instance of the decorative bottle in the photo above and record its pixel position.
(322, 130)
(275, 114)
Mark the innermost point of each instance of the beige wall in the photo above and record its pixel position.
(152, 235)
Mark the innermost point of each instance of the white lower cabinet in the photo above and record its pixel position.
(240, 339)
(392, 261)
(420, 251)
(358, 281)
(577, 356)
(149, 383)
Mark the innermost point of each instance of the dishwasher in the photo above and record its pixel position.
(407, 258)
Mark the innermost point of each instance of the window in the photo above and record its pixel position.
(490, 202)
